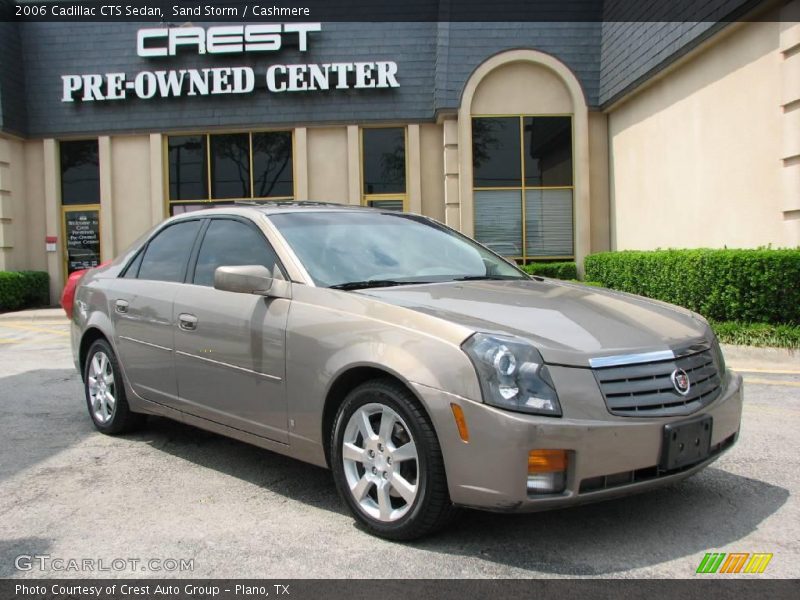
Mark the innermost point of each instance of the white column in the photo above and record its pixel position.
(414, 170)
(6, 207)
(107, 250)
(301, 163)
(157, 181)
(52, 211)
(353, 166)
(790, 106)
(452, 197)
(582, 199)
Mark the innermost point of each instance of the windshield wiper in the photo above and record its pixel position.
(485, 278)
(371, 283)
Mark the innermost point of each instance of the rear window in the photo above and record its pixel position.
(167, 254)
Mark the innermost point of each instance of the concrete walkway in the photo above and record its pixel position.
(35, 314)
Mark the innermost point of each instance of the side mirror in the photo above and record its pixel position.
(251, 279)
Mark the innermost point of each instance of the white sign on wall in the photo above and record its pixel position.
(226, 40)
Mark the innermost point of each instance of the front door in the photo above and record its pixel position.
(230, 347)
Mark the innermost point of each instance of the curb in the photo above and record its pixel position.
(55, 313)
(749, 359)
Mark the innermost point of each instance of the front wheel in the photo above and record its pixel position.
(105, 392)
(387, 463)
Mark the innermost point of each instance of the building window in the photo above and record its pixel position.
(217, 169)
(230, 166)
(272, 164)
(383, 160)
(80, 172)
(80, 200)
(523, 185)
(188, 176)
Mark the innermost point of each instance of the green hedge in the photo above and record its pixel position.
(757, 334)
(725, 285)
(20, 289)
(556, 270)
(589, 283)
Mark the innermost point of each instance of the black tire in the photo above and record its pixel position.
(431, 509)
(122, 419)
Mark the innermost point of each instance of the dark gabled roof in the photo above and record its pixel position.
(435, 60)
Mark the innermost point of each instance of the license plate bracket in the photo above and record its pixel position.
(686, 443)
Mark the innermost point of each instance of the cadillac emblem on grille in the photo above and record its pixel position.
(680, 380)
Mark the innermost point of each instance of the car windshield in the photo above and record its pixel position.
(371, 249)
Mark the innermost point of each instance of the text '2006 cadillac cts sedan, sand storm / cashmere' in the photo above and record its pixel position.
(425, 371)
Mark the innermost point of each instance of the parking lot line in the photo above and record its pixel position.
(34, 321)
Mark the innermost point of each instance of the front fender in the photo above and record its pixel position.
(424, 362)
(332, 332)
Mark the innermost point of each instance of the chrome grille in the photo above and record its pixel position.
(645, 389)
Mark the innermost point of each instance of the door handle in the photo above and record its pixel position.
(187, 322)
(121, 306)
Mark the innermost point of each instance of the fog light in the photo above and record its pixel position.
(547, 483)
(547, 471)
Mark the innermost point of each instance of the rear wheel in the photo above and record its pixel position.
(105, 392)
(387, 463)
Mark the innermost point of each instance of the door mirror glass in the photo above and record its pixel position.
(244, 279)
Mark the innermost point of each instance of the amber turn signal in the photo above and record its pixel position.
(461, 422)
(547, 461)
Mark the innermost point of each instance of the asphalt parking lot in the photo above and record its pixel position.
(174, 492)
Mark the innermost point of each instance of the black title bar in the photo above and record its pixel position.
(180, 11)
(706, 587)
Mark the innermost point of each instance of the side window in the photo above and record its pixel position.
(231, 243)
(167, 254)
(133, 269)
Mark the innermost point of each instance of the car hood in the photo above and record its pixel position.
(568, 323)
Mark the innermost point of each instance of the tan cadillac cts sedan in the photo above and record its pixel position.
(425, 371)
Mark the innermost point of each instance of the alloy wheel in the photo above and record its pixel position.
(102, 393)
(381, 463)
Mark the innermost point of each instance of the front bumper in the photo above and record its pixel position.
(608, 456)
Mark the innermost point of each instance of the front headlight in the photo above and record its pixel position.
(512, 374)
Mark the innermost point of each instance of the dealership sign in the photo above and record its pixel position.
(227, 40)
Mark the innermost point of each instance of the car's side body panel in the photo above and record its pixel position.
(144, 332)
(330, 332)
(230, 367)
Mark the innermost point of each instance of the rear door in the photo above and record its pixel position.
(229, 347)
(141, 309)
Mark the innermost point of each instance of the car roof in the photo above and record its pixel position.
(277, 207)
